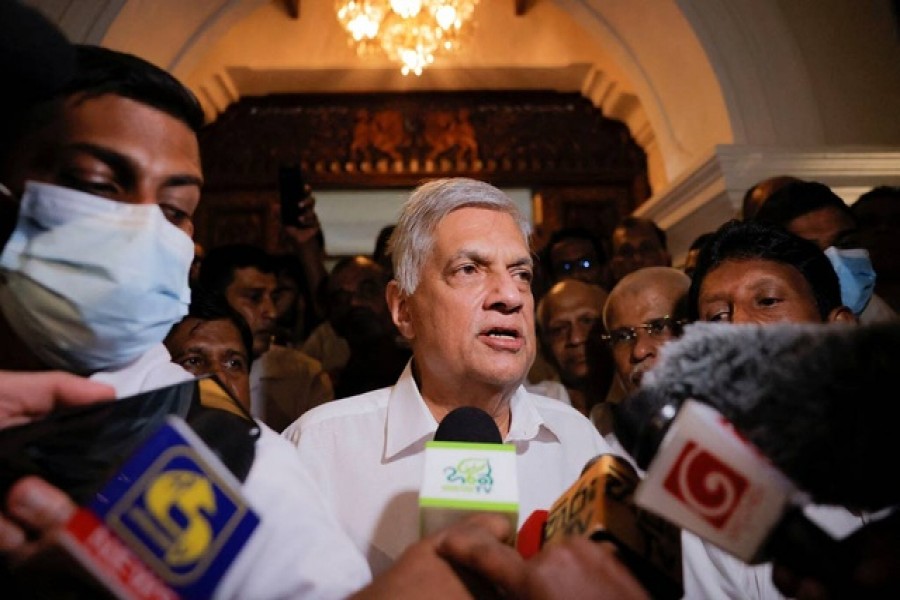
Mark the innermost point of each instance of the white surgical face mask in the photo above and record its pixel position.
(91, 284)
(855, 274)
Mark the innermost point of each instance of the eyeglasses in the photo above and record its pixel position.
(570, 266)
(655, 328)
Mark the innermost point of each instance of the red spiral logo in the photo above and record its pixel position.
(706, 485)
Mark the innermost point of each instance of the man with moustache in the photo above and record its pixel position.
(462, 298)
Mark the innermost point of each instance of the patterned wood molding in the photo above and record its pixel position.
(523, 138)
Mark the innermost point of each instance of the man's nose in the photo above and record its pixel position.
(644, 346)
(505, 293)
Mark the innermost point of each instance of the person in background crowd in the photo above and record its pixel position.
(295, 314)
(812, 211)
(565, 316)
(690, 261)
(637, 243)
(284, 382)
(877, 215)
(575, 253)
(759, 192)
(359, 313)
(214, 339)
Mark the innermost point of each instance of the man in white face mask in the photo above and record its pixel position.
(103, 181)
(99, 186)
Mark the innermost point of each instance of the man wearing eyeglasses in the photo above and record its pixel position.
(643, 312)
(575, 253)
(637, 243)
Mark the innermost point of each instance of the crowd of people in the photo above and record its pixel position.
(103, 294)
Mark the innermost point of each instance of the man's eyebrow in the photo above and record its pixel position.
(116, 160)
(122, 164)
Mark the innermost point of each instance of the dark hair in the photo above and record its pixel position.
(217, 269)
(881, 191)
(700, 241)
(98, 71)
(747, 240)
(101, 71)
(209, 307)
(638, 222)
(571, 233)
(796, 199)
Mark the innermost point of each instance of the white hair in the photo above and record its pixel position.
(413, 239)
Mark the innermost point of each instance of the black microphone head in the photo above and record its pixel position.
(468, 424)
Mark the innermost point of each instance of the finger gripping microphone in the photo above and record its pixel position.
(810, 397)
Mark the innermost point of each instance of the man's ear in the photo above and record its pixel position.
(398, 304)
(842, 314)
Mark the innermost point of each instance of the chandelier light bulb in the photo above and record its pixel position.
(409, 32)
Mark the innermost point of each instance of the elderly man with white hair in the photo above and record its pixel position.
(462, 298)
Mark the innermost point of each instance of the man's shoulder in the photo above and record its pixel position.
(337, 412)
(283, 361)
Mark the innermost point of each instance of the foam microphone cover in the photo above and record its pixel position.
(817, 400)
(468, 424)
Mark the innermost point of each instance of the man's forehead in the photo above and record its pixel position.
(252, 277)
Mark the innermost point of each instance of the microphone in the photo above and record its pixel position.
(600, 506)
(467, 469)
(171, 519)
(703, 476)
(810, 397)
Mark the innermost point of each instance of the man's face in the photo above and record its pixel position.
(251, 293)
(879, 222)
(212, 347)
(634, 357)
(635, 248)
(571, 309)
(357, 305)
(576, 258)
(756, 291)
(826, 227)
(119, 149)
(471, 319)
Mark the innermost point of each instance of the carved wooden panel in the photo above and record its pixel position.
(587, 168)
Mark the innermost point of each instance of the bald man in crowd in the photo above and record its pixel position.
(644, 310)
(565, 316)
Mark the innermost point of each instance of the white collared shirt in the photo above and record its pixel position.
(367, 455)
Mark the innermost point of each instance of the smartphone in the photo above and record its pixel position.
(291, 190)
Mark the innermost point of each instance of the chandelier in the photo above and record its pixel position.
(410, 32)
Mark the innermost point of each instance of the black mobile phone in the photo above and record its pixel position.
(291, 190)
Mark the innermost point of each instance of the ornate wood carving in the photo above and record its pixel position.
(586, 168)
(390, 139)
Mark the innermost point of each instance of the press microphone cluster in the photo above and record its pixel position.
(171, 519)
(600, 506)
(813, 398)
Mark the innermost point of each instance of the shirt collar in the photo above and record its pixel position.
(409, 422)
(408, 418)
(526, 418)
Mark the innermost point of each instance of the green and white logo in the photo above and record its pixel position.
(469, 475)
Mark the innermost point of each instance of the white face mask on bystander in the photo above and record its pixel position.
(91, 284)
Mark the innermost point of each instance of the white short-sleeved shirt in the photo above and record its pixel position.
(367, 455)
